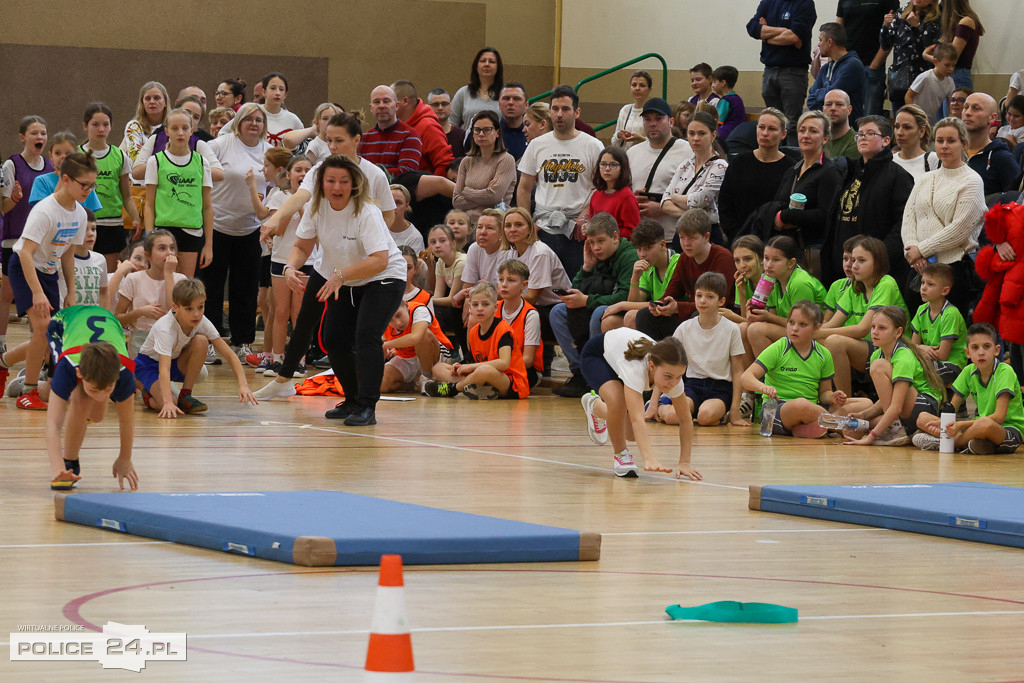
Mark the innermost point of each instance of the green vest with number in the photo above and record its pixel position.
(83, 325)
(108, 182)
(179, 193)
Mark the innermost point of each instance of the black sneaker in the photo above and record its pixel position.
(440, 389)
(574, 387)
(361, 418)
(340, 411)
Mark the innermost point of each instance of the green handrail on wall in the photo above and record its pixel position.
(601, 74)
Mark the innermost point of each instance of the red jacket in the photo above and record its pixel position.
(1002, 302)
(437, 152)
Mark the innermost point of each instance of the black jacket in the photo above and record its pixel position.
(877, 208)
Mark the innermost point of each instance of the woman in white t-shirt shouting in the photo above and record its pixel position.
(365, 279)
(236, 234)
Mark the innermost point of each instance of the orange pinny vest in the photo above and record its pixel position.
(518, 326)
(435, 329)
(422, 297)
(484, 350)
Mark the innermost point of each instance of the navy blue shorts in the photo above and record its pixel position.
(701, 389)
(65, 379)
(147, 371)
(50, 282)
(594, 367)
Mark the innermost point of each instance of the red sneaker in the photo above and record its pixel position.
(253, 359)
(31, 401)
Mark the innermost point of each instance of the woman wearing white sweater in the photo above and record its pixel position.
(945, 214)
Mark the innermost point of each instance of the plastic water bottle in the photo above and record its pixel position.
(759, 299)
(842, 422)
(768, 410)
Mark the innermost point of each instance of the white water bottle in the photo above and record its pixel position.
(842, 422)
(945, 440)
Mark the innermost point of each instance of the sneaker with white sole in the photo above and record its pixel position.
(480, 392)
(211, 356)
(262, 363)
(925, 441)
(271, 370)
(300, 370)
(597, 428)
(15, 385)
(895, 435)
(244, 351)
(624, 465)
(980, 447)
(560, 364)
(275, 389)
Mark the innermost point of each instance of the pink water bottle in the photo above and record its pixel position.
(759, 299)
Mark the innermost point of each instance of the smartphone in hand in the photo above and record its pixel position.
(559, 291)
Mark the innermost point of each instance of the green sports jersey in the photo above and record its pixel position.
(654, 286)
(81, 325)
(802, 285)
(1002, 381)
(792, 375)
(834, 291)
(108, 182)
(854, 304)
(907, 368)
(948, 325)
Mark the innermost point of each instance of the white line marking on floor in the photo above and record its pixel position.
(72, 545)
(734, 531)
(504, 455)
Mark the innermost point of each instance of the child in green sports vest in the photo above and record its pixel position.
(939, 328)
(836, 289)
(995, 389)
(113, 186)
(91, 370)
(178, 186)
(792, 284)
(846, 334)
(797, 372)
(909, 389)
(650, 275)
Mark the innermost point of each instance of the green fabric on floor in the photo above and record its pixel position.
(730, 611)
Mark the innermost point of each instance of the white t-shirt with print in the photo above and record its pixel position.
(348, 238)
(564, 169)
(55, 230)
(90, 277)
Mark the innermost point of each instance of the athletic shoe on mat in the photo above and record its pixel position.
(597, 428)
(624, 465)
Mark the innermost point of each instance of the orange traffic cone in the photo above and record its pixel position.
(389, 656)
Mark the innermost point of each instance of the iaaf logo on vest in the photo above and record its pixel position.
(180, 180)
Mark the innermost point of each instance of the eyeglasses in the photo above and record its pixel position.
(957, 100)
(609, 164)
(88, 187)
(483, 131)
(223, 93)
(867, 134)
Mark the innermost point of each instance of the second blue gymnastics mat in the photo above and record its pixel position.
(325, 528)
(971, 511)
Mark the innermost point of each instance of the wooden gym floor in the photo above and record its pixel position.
(874, 604)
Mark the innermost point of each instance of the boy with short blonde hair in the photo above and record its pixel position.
(521, 316)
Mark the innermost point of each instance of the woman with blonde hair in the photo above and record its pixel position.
(912, 136)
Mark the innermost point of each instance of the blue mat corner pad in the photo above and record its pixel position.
(970, 511)
(325, 528)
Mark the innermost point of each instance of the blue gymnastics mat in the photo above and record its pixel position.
(325, 528)
(971, 511)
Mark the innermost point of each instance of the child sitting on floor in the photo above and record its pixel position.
(499, 371)
(413, 345)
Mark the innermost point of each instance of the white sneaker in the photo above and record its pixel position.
(15, 385)
(597, 428)
(624, 465)
(747, 406)
(275, 389)
(243, 351)
(560, 364)
(895, 435)
(211, 356)
(925, 441)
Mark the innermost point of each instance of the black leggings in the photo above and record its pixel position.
(236, 261)
(352, 330)
(306, 324)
